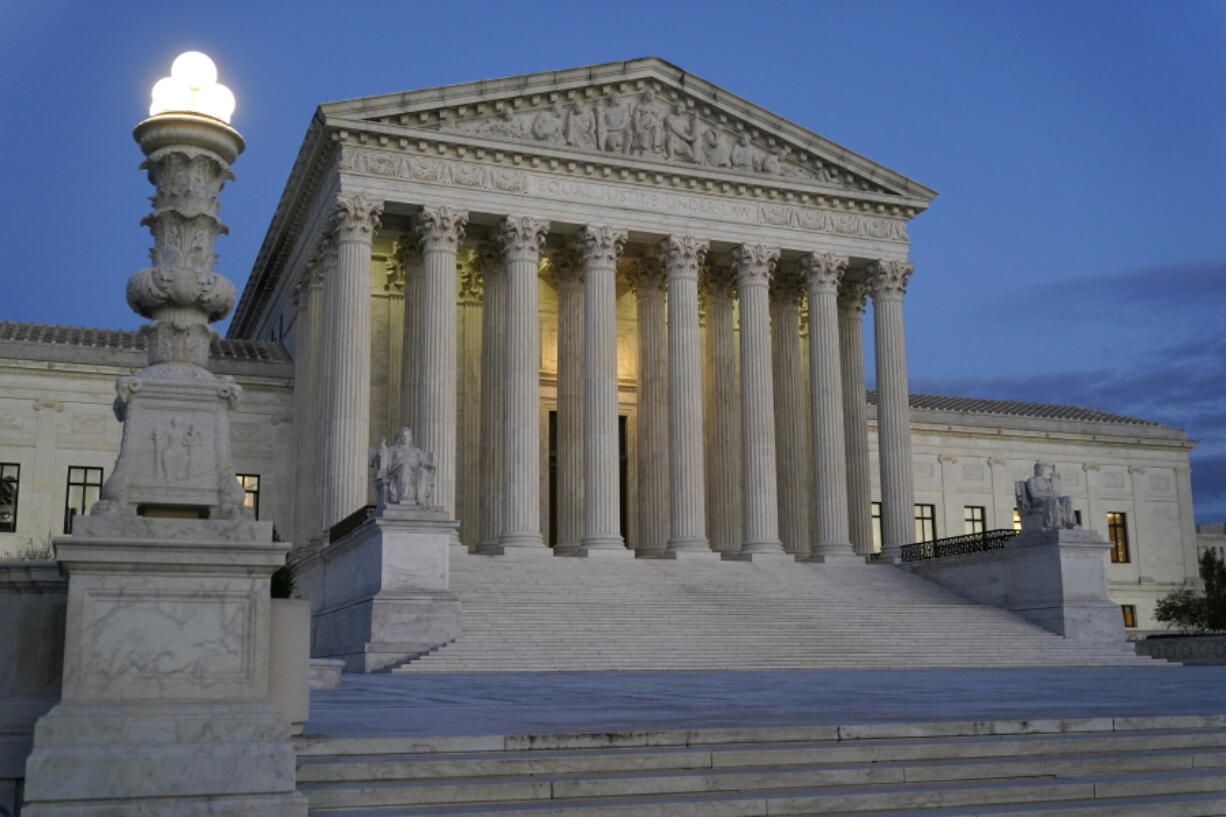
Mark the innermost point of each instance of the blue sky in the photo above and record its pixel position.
(1076, 252)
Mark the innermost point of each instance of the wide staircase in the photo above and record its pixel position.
(602, 614)
(1126, 767)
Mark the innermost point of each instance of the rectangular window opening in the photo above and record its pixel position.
(251, 492)
(925, 522)
(1117, 534)
(974, 519)
(1130, 614)
(84, 487)
(10, 484)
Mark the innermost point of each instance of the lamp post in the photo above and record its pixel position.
(165, 704)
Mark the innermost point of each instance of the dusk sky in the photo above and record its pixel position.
(1076, 252)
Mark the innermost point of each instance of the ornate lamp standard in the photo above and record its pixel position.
(165, 690)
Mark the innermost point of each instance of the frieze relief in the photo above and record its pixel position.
(390, 165)
(652, 123)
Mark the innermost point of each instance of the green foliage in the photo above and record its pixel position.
(1192, 610)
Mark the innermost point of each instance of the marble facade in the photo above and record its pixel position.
(681, 276)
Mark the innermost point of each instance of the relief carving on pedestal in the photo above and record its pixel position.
(174, 447)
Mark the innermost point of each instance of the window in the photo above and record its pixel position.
(974, 519)
(1017, 519)
(1130, 614)
(10, 480)
(251, 492)
(1117, 534)
(1077, 517)
(84, 484)
(876, 514)
(925, 522)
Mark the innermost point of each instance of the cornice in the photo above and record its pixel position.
(593, 81)
(616, 167)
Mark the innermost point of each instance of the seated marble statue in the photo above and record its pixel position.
(1041, 497)
(404, 474)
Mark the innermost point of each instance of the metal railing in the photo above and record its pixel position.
(958, 545)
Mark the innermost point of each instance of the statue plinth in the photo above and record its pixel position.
(379, 589)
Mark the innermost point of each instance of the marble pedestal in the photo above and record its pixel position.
(379, 593)
(165, 704)
(1054, 578)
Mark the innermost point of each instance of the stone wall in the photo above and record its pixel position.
(1187, 650)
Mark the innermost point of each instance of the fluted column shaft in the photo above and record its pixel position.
(889, 283)
(791, 422)
(598, 247)
(493, 372)
(823, 271)
(347, 316)
(438, 231)
(647, 278)
(306, 397)
(855, 416)
(682, 256)
(522, 238)
(468, 390)
(724, 463)
(410, 345)
(760, 535)
(570, 487)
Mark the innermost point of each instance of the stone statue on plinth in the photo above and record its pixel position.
(1041, 500)
(404, 474)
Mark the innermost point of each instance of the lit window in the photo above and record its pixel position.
(251, 492)
(10, 480)
(925, 522)
(974, 519)
(84, 485)
(1130, 614)
(1117, 534)
(876, 514)
(1017, 519)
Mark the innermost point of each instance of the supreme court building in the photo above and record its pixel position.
(623, 309)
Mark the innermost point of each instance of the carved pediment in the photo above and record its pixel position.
(639, 110)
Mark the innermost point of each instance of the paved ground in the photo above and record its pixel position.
(519, 703)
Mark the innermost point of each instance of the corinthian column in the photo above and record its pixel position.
(682, 256)
(791, 432)
(438, 231)
(347, 317)
(852, 296)
(521, 238)
(724, 422)
(647, 277)
(889, 281)
(309, 297)
(598, 248)
(468, 390)
(755, 264)
(409, 260)
(493, 374)
(568, 272)
(823, 271)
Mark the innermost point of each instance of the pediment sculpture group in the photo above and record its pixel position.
(643, 126)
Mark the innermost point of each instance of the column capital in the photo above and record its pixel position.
(755, 264)
(718, 281)
(357, 217)
(439, 228)
(522, 237)
(645, 275)
(853, 296)
(564, 265)
(682, 255)
(889, 278)
(823, 271)
(788, 284)
(598, 244)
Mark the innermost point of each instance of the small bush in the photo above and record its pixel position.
(1193, 611)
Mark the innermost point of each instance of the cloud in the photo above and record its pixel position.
(1160, 338)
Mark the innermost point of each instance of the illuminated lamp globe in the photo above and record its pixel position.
(194, 69)
(192, 88)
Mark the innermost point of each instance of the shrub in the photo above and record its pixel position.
(1192, 610)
